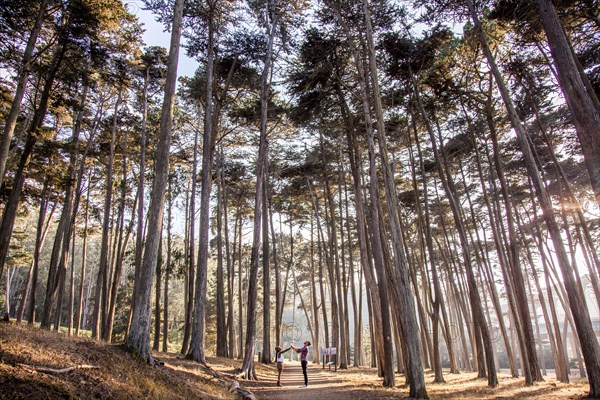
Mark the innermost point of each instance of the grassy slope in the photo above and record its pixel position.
(119, 376)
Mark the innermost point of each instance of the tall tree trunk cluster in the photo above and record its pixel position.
(414, 226)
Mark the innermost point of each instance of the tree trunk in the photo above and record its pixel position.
(157, 293)
(221, 313)
(476, 309)
(332, 260)
(249, 345)
(189, 306)
(240, 291)
(139, 239)
(581, 316)
(121, 247)
(12, 203)
(22, 77)
(363, 240)
(313, 295)
(230, 270)
(266, 342)
(80, 309)
(60, 251)
(437, 300)
(398, 276)
(168, 269)
(197, 350)
(100, 305)
(40, 238)
(586, 116)
(138, 338)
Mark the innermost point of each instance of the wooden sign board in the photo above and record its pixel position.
(328, 351)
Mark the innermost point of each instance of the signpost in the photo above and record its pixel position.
(331, 354)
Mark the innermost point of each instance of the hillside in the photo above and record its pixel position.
(108, 372)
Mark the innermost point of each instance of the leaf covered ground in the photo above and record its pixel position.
(25, 351)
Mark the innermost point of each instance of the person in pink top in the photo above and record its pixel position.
(303, 355)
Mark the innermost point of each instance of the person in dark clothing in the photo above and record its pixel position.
(279, 362)
(303, 360)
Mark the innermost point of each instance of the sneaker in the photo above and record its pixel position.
(278, 384)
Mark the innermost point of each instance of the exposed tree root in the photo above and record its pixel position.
(47, 370)
(249, 373)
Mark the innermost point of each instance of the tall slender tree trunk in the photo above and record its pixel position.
(197, 351)
(12, 203)
(189, 306)
(22, 77)
(168, 268)
(139, 238)
(313, 294)
(585, 332)
(266, 342)
(72, 284)
(397, 275)
(157, 293)
(120, 250)
(363, 239)
(531, 367)
(60, 251)
(138, 338)
(278, 290)
(249, 345)
(320, 242)
(437, 300)
(80, 309)
(40, 236)
(586, 116)
(240, 291)
(230, 270)
(332, 261)
(221, 313)
(475, 300)
(100, 305)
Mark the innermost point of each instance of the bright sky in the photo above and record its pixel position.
(155, 35)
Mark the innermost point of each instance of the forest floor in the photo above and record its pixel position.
(27, 354)
(363, 383)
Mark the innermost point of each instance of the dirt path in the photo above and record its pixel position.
(363, 384)
(322, 384)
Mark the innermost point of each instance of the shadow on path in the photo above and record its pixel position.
(322, 384)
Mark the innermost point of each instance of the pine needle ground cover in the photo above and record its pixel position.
(107, 371)
(31, 361)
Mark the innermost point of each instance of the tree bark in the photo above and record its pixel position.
(41, 231)
(221, 313)
(157, 293)
(249, 345)
(101, 302)
(23, 76)
(586, 116)
(80, 309)
(266, 342)
(189, 305)
(12, 203)
(197, 351)
(581, 316)
(138, 338)
(168, 269)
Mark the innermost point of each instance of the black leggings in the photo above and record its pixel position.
(304, 364)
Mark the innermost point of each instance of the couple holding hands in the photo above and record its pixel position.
(303, 360)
